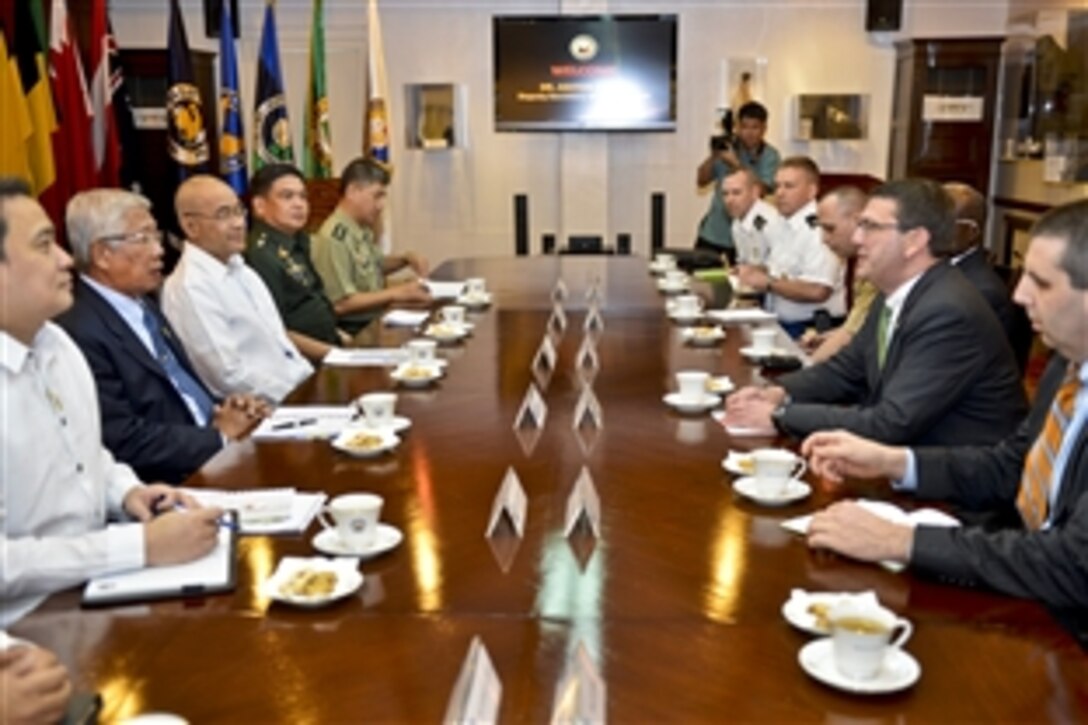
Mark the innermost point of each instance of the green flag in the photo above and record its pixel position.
(317, 156)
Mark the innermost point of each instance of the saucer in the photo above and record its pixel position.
(396, 424)
(348, 580)
(444, 332)
(796, 609)
(347, 441)
(794, 491)
(386, 538)
(416, 376)
(753, 354)
(685, 405)
(740, 464)
(899, 672)
(703, 336)
(475, 301)
(685, 318)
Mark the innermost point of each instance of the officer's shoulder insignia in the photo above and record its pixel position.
(759, 222)
(261, 240)
(812, 220)
(339, 231)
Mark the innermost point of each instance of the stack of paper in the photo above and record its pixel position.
(741, 315)
(366, 357)
(305, 422)
(265, 510)
(405, 318)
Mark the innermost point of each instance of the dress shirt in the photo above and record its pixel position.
(753, 240)
(802, 255)
(231, 329)
(57, 482)
(909, 482)
(131, 311)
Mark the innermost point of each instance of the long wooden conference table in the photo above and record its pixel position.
(678, 601)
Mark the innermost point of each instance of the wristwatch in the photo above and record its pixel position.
(779, 413)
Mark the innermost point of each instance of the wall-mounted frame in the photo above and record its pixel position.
(831, 117)
(434, 117)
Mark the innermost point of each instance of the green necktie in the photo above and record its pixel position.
(882, 335)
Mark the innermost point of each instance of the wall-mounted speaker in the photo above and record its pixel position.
(657, 220)
(883, 16)
(521, 225)
(213, 13)
(623, 244)
(547, 243)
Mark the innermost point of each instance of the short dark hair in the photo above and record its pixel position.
(363, 171)
(805, 164)
(1069, 222)
(849, 198)
(923, 203)
(753, 110)
(262, 181)
(10, 188)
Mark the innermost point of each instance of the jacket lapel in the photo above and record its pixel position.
(117, 327)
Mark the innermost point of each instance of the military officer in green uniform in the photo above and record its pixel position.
(279, 251)
(348, 256)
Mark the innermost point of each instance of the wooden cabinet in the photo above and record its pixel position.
(943, 110)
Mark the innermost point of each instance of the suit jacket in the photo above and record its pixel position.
(949, 376)
(978, 271)
(145, 421)
(1050, 565)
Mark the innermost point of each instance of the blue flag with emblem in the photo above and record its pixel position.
(272, 142)
(186, 134)
(232, 146)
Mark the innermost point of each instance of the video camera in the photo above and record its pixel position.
(726, 139)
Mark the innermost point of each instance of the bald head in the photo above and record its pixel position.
(211, 216)
(970, 210)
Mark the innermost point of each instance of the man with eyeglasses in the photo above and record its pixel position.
(157, 415)
(219, 306)
(929, 366)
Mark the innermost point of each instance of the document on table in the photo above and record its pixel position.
(211, 574)
(366, 357)
(305, 422)
(405, 318)
(265, 510)
(741, 315)
(444, 290)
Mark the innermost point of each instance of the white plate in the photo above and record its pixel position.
(684, 318)
(720, 384)
(705, 339)
(795, 609)
(685, 405)
(794, 491)
(739, 463)
(446, 333)
(386, 538)
(433, 372)
(899, 672)
(389, 441)
(397, 424)
(752, 354)
(475, 300)
(348, 580)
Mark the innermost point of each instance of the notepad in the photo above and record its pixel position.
(264, 510)
(366, 357)
(211, 574)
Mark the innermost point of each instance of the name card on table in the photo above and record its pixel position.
(533, 411)
(583, 502)
(512, 501)
(587, 358)
(593, 293)
(477, 693)
(559, 292)
(544, 359)
(594, 322)
(580, 696)
(587, 411)
(557, 323)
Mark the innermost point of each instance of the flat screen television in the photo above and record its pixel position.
(585, 73)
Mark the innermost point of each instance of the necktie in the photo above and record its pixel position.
(882, 335)
(1033, 500)
(183, 382)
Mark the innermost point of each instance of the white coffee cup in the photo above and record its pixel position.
(453, 314)
(475, 286)
(861, 638)
(763, 339)
(378, 408)
(421, 351)
(775, 468)
(665, 261)
(687, 306)
(676, 277)
(691, 384)
(354, 518)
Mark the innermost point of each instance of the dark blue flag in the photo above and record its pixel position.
(272, 132)
(186, 133)
(232, 149)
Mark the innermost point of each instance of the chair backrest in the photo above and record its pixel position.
(1021, 336)
(324, 195)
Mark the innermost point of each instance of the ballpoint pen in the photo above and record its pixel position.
(287, 424)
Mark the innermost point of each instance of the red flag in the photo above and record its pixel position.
(107, 149)
(72, 144)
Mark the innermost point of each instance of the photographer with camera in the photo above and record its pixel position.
(730, 151)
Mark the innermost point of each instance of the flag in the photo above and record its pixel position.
(16, 130)
(232, 144)
(376, 134)
(72, 142)
(107, 145)
(317, 151)
(186, 134)
(29, 53)
(132, 168)
(272, 142)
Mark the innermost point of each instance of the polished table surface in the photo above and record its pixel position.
(678, 601)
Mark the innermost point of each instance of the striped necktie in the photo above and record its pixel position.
(882, 335)
(1033, 500)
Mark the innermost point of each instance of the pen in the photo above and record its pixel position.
(294, 423)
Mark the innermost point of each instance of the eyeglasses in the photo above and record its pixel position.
(141, 238)
(223, 213)
(868, 226)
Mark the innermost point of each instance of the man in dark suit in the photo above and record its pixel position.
(1040, 471)
(930, 364)
(157, 415)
